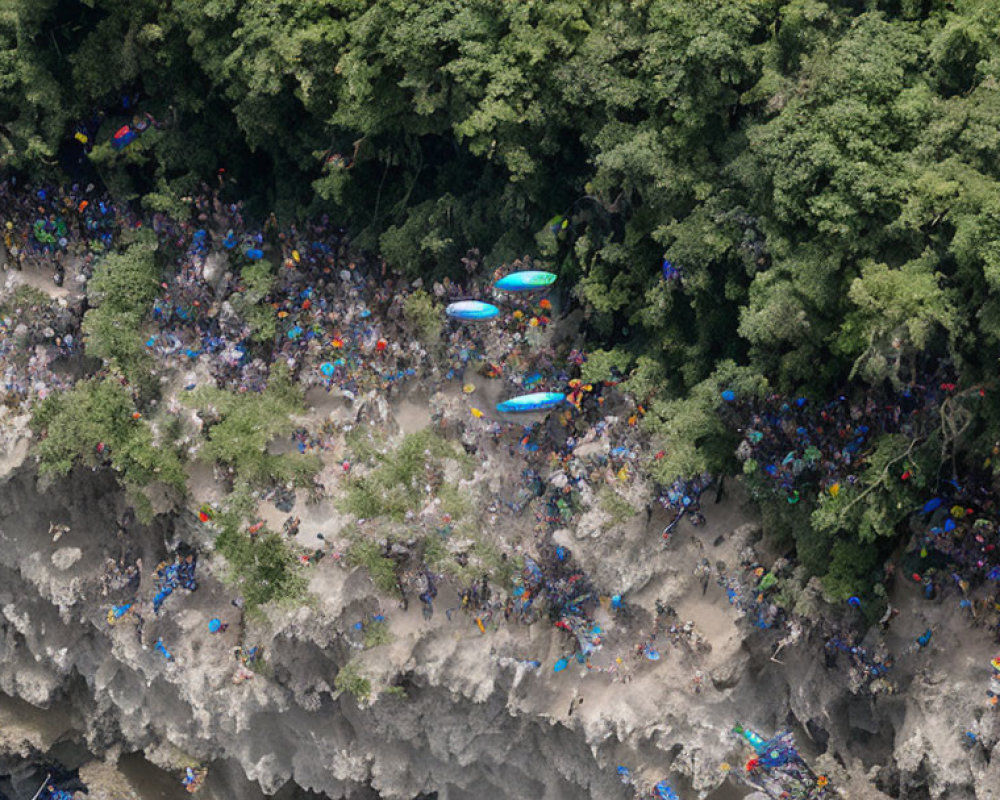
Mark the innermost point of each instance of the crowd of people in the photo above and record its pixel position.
(239, 299)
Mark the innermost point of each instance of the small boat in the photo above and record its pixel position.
(538, 401)
(525, 281)
(472, 309)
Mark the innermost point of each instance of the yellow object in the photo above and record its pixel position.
(835, 490)
(468, 388)
(477, 413)
(623, 474)
(81, 138)
(295, 256)
(724, 766)
(957, 512)
(533, 322)
(479, 623)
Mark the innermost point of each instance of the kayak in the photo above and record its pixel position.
(539, 401)
(472, 309)
(525, 281)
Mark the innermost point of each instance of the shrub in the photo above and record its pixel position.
(368, 554)
(424, 315)
(263, 569)
(377, 633)
(350, 680)
(615, 505)
(101, 412)
(121, 292)
(396, 484)
(247, 423)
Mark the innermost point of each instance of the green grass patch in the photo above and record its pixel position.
(377, 633)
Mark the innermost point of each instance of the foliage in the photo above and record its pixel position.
(823, 175)
(97, 421)
(262, 568)
(121, 292)
(349, 679)
(368, 554)
(691, 432)
(246, 423)
(878, 502)
(25, 299)
(397, 484)
(602, 365)
(257, 279)
(616, 506)
(424, 315)
(377, 633)
(454, 500)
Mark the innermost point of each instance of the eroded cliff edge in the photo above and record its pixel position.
(470, 720)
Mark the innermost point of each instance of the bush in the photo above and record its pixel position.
(101, 412)
(264, 568)
(601, 365)
(121, 292)
(367, 554)
(350, 680)
(247, 423)
(25, 299)
(377, 633)
(615, 505)
(396, 484)
(257, 279)
(424, 315)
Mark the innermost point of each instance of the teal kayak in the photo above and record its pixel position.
(472, 309)
(539, 401)
(525, 281)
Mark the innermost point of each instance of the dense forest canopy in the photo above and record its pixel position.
(767, 195)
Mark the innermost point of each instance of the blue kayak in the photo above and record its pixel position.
(539, 401)
(472, 309)
(525, 281)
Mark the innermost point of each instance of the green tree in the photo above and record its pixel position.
(121, 292)
(97, 421)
